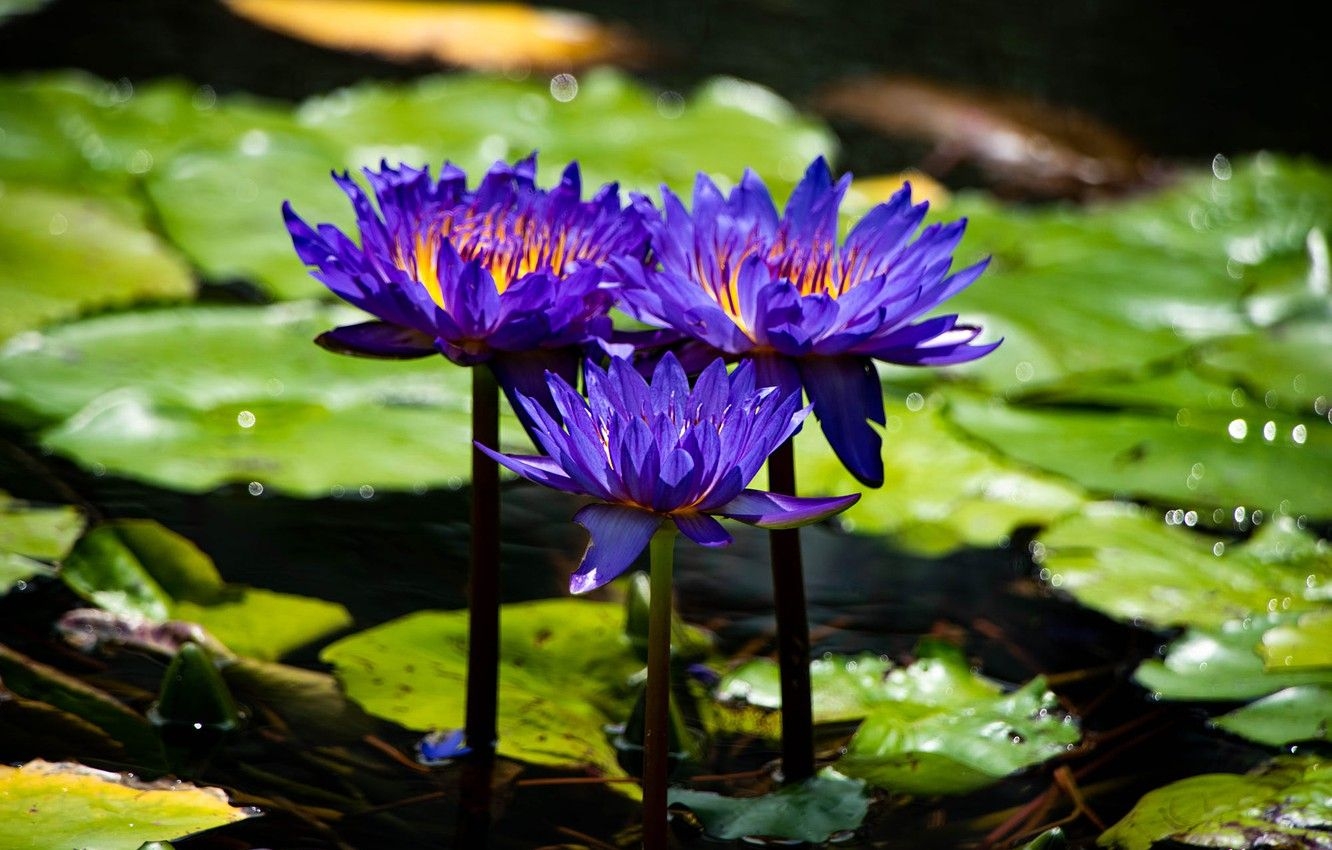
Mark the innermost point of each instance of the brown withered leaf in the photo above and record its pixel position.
(1026, 147)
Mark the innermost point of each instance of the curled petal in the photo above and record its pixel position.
(702, 529)
(771, 510)
(846, 395)
(378, 339)
(619, 534)
(537, 468)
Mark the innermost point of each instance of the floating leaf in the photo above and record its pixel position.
(941, 491)
(1303, 644)
(219, 197)
(1222, 664)
(104, 571)
(1125, 562)
(813, 810)
(564, 667)
(474, 35)
(1301, 713)
(30, 536)
(136, 569)
(1287, 366)
(1271, 461)
(1284, 803)
(19, 7)
(846, 688)
(63, 254)
(960, 746)
(195, 398)
(1144, 278)
(56, 806)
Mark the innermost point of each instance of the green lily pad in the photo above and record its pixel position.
(1144, 278)
(1286, 366)
(846, 688)
(1285, 803)
(1274, 461)
(219, 200)
(1127, 563)
(56, 806)
(941, 491)
(136, 569)
(63, 254)
(1303, 644)
(1222, 664)
(1294, 714)
(959, 746)
(18, 7)
(564, 671)
(32, 536)
(194, 398)
(617, 129)
(813, 811)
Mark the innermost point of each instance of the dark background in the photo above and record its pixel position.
(1184, 79)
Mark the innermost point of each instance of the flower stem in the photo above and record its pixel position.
(788, 591)
(483, 613)
(483, 590)
(656, 710)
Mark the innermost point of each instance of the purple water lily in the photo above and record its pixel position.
(780, 291)
(651, 452)
(508, 274)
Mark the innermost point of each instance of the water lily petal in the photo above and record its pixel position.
(619, 534)
(537, 468)
(523, 373)
(771, 510)
(378, 339)
(702, 529)
(846, 395)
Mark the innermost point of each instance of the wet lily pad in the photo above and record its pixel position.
(56, 806)
(960, 746)
(1304, 644)
(1144, 278)
(1284, 803)
(934, 727)
(1286, 366)
(564, 670)
(137, 569)
(846, 688)
(813, 811)
(31, 537)
(194, 398)
(1271, 461)
(1222, 664)
(1126, 562)
(1301, 713)
(63, 254)
(941, 490)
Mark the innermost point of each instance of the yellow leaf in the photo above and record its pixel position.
(475, 35)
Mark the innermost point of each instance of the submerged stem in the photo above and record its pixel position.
(788, 594)
(656, 713)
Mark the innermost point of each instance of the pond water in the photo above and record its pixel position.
(1142, 464)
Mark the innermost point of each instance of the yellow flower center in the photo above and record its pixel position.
(509, 243)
